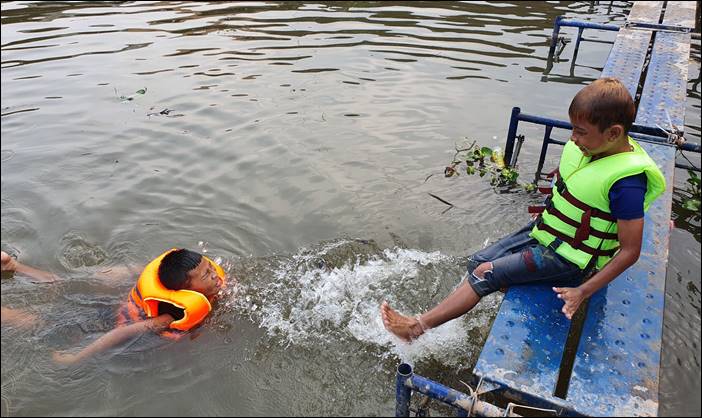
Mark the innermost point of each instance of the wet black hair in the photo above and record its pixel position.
(175, 266)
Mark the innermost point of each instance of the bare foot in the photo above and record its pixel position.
(405, 327)
(8, 263)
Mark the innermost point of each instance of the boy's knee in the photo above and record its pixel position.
(482, 269)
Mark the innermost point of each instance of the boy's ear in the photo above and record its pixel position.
(615, 131)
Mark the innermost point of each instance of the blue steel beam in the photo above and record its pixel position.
(616, 369)
(407, 381)
(514, 357)
(586, 24)
(523, 351)
(626, 59)
(638, 132)
(665, 90)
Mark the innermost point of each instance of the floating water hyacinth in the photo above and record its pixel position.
(475, 161)
(129, 98)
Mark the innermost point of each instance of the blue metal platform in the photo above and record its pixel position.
(616, 360)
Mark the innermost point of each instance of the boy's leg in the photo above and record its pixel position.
(532, 264)
(510, 244)
(464, 297)
(460, 301)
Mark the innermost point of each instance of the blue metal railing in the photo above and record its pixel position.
(406, 382)
(562, 21)
(581, 25)
(642, 133)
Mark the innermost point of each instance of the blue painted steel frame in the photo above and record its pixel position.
(580, 24)
(406, 381)
(617, 360)
(522, 354)
(616, 368)
(638, 132)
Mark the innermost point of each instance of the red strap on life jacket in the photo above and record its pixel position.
(583, 231)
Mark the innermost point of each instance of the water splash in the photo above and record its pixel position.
(77, 252)
(332, 293)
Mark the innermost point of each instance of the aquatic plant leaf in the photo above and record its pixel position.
(529, 187)
(692, 204)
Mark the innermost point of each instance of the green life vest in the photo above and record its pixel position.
(579, 213)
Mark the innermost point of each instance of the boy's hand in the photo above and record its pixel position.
(8, 263)
(572, 296)
(64, 359)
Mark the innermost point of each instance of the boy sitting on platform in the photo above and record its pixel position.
(592, 224)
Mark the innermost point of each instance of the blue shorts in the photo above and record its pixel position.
(518, 259)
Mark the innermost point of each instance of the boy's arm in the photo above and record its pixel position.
(630, 233)
(115, 337)
(10, 264)
(17, 317)
(117, 274)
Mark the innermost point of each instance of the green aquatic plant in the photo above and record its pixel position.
(693, 189)
(129, 98)
(486, 161)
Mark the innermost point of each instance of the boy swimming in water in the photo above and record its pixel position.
(592, 223)
(173, 295)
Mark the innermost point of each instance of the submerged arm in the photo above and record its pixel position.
(115, 337)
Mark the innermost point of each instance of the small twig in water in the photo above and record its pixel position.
(458, 151)
(440, 199)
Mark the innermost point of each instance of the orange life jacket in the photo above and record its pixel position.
(144, 298)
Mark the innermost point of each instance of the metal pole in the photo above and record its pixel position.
(453, 397)
(544, 148)
(586, 25)
(511, 133)
(403, 392)
(637, 131)
(517, 149)
(577, 44)
(554, 35)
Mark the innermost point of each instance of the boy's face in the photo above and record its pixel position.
(589, 138)
(204, 279)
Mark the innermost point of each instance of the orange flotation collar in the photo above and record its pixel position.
(149, 291)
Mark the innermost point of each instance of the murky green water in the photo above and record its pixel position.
(293, 140)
